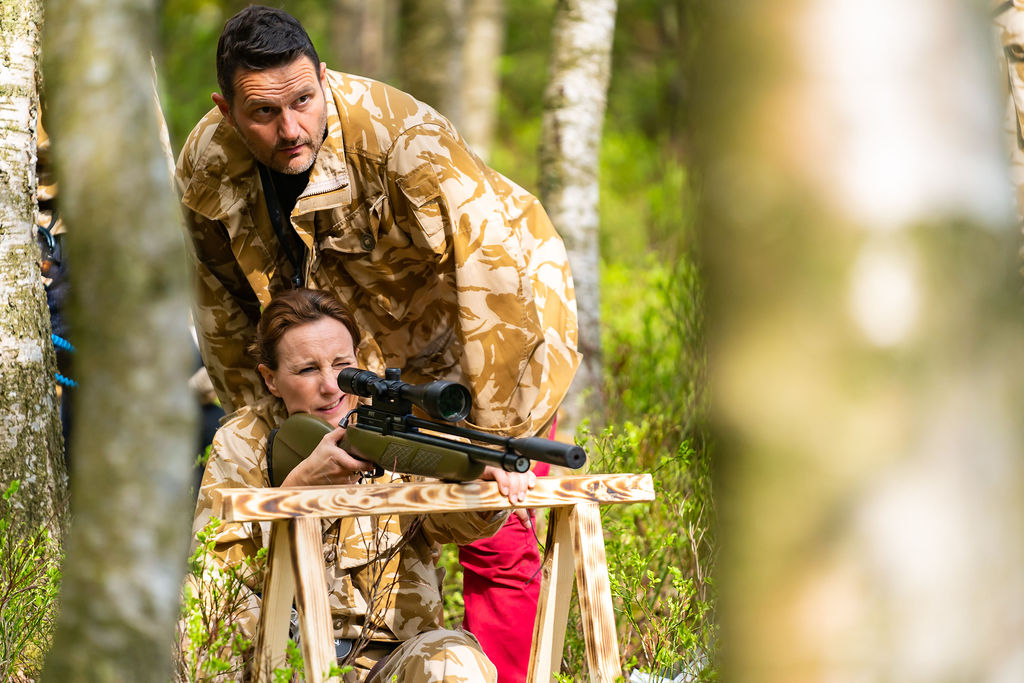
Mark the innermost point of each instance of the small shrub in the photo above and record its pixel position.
(29, 583)
(211, 645)
(660, 555)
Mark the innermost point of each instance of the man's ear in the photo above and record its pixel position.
(323, 72)
(268, 378)
(225, 108)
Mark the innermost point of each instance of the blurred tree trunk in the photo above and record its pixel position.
(431, 34)
(481, 52)
(574, 103)
(31, 448)
(867, 365)
(134, 432)
(362, 37)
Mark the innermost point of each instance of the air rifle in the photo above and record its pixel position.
(387, 434)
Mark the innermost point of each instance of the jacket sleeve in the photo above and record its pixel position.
(235, 462)
(515, 300)
(464, 527)
(226, 309)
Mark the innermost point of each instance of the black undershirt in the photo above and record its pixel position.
(289, 187)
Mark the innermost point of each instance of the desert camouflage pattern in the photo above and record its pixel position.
(46, 184)
(431, 657)
(453, 271)
(379, 587)
(1009, 22)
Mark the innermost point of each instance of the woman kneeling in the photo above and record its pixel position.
(382, 581)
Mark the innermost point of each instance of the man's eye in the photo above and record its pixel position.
(306, 371)
(303, 99)
(1014, 53)
(342, 364)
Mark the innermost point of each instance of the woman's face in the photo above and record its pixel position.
(309, 358)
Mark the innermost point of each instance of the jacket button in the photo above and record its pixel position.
(338, 622)
(330, 555)
(368, 242)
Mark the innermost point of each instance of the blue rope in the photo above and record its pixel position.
(62, 343)
(66, 381)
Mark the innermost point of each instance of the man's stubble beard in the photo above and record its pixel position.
(315, 146)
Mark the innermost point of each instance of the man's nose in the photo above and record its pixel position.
(288, 126)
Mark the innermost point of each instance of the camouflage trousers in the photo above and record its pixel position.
(437, 656)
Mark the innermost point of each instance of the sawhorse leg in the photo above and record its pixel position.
(575, 540)
(295, 570)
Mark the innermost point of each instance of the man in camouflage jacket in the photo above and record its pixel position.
(453, 271)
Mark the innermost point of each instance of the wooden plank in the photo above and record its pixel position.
(317, 634)
(594, 589)
(240, 505)
(275, 611)
(555, 595)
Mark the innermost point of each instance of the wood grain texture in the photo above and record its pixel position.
(553, 605)
(595, 594)
(311, 599)
(241, 505)
(275, 612)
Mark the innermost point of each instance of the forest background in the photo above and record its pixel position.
(862, 265)
(660, 556)
(647, 413)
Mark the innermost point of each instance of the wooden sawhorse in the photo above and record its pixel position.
(295, 568)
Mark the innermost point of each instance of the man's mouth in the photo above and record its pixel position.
(294, 149)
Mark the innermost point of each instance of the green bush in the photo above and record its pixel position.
(29, 582)
(660, 555)
(211, 645)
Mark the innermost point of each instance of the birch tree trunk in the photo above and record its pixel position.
(31, 446)
(134, 426)
(362, 36)
(430, 53)
(481, 52)
(868, 371)
(574, 103)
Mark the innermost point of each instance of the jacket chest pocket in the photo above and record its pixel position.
(356, 232)
(372, 258)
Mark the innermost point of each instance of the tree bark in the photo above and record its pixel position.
(362, 36)
(133, 441)
(31, 448)
(430, 58)
(867, 369)
(574, 104)
(481, 52)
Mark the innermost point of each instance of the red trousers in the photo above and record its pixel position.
(500, 586)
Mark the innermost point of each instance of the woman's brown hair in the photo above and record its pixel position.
(291, 309)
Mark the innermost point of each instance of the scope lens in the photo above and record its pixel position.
(453, 403)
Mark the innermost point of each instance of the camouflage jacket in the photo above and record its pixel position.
(395, 597)
(453, 271)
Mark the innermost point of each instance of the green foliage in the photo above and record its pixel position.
(454, 604)
(660, 555)
(29, 583)
(211, 643)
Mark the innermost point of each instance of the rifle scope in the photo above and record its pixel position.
(440, 399)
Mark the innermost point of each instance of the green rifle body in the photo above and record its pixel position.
(301, 433)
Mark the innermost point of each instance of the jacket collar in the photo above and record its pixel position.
(226, 180)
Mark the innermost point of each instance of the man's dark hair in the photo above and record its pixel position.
(260, 38)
